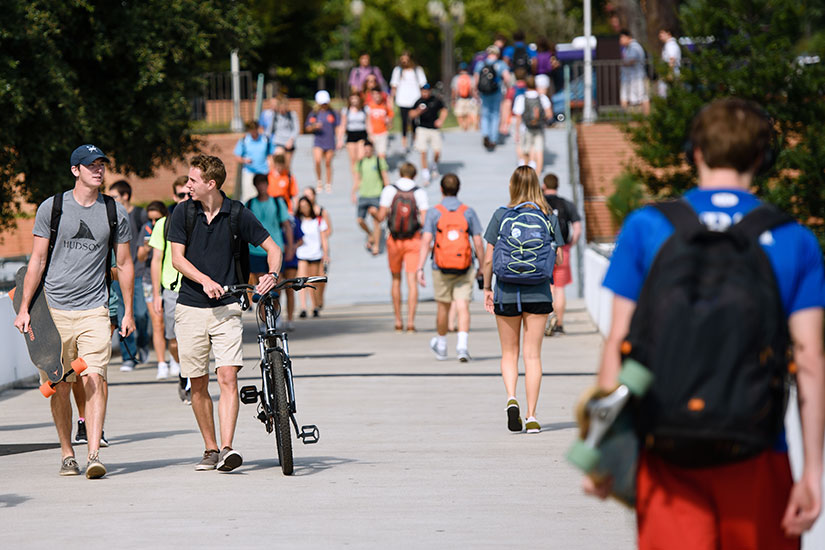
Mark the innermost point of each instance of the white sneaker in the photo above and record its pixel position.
(127, 366)
(434, 174)
(163, 371)
(552, 321)
(174, 368)
(289, 325)
(463, 355)
(440, 354)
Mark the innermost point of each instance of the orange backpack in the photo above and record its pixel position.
(464, 85)
(452, 251)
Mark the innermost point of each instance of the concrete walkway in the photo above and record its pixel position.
(413, 453)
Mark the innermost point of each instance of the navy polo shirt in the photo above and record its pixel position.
(210, 249)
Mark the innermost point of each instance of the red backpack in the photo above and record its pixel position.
(452, 252)
(403, 219)
(464, 85)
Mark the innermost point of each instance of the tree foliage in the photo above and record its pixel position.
(117, 75)
(752, 54)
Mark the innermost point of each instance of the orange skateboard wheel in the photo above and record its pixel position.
(47, 389)
(79, 365)
(11, 293)
(626, 347)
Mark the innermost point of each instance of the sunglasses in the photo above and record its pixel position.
(182, 195)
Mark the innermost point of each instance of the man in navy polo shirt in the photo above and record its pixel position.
(205, 319)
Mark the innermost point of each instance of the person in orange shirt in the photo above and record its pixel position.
(281, 181)
(379, 116)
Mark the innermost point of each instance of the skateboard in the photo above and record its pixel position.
(43, 340)
(608, 445)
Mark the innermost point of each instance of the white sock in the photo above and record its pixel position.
(532, 164)
(462, 340)
(163, 365)
(441, 342)
(521, 162)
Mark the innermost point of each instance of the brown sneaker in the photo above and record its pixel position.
(94, 468)
(229, 459)
(69, 467)
(209, 460)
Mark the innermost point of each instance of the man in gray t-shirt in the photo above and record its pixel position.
(453, 284)
(75, 289)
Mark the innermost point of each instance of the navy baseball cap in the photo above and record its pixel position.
(87, 154)
(425, 87)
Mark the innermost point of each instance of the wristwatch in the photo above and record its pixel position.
(273, 274)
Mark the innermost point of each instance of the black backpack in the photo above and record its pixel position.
(534, 117)
(521, 59)
(561, 210)
(240, 248)
(488, 79)
(710, 326)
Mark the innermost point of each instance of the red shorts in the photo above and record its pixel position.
(724, 507)
(403, 251)
(561, 273)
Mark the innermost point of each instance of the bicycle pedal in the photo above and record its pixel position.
(309, 434)
(249, 395)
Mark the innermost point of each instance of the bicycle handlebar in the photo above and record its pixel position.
(296, 284)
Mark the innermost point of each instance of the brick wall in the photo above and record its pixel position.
(604, 151)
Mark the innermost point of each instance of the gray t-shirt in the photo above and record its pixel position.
(508, 293)
(76, 279)
(452, 204)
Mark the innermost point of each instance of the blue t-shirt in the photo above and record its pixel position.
(256, 149)
(792, 249)
(297, 235)
(509, 51)
(271, 213)
(499, 66)
(325, 136)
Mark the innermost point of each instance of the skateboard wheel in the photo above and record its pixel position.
(47, 390)
(583, 457)
(11, 293)
(79, 365)
(636, 377)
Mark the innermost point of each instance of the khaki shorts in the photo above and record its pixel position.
(633, 91)
(201, 329)
(532, 140)
(464, 106)
(426, 138)
(85, 334)
(379, 143)
(453, 286)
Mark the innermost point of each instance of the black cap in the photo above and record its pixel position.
(87, 154)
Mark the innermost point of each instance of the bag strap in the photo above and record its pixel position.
(235, 209)
(54, 224)
(190, 214)
(682, 216)
(760, 219)
(111, 215)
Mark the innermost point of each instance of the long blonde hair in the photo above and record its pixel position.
(524, 187)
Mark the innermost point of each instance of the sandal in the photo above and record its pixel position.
(399, 328)
(411, 329)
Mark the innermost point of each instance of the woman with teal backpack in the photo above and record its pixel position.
(523, 244)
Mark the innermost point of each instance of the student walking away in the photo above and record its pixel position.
(532, 111)
(322, 122)
(632, 76)
(404, 205)
(282, 183)
(379, 118)
(523, 245)
(449, 231)
(252, 152)
(353, 131)
(464, 98)
(672, 55)
(313, 253)
(489, 75)
(285, 129)
(323, 213)
(209, 235)
(571, 229)
(430, 114)
(366, 194)
(155, 210)
(135, 347)
(519, 55)
(406, 82)
(359, 74)
(274, 217)
(721, 297)
(165, 287)
(75, 234)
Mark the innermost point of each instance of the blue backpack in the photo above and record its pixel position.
(525, 253)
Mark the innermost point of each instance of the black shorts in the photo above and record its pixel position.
(258, 264)
(511, 310)
(285, 148)
(354, 137)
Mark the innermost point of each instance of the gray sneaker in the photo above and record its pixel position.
(209, 460)
(94, 468)
(550, 327)
(229, 459)
(441, 355)
(69, 467)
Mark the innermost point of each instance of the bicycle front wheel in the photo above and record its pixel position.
(283, 435)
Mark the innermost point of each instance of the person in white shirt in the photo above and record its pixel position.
(405, 205)
(672, 55)
(406, 82)
(533, 111)
(313, 252)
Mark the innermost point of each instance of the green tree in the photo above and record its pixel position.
(753, 54)
(117, 75)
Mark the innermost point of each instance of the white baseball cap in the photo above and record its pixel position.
(321, 97)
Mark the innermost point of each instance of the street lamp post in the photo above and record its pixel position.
(356, 8)
(447, 18)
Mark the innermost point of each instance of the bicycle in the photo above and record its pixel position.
(276, 400)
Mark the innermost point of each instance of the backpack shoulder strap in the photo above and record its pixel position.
(111, 215)
(248, 204)
(760, 219)
(682, 216)
(54, 224)
(190, 212)
(235, 210)
(441, 208)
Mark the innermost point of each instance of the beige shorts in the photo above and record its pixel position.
(201, 329)
(379, 143)
(532, 140)
(426, 138)
(464, 106)
(634, 91)
(85, 334)
(450, 286)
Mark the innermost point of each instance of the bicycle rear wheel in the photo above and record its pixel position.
(283, 435)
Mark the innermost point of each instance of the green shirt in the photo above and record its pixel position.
(168, 274)
(272, 214)
(371, 181)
